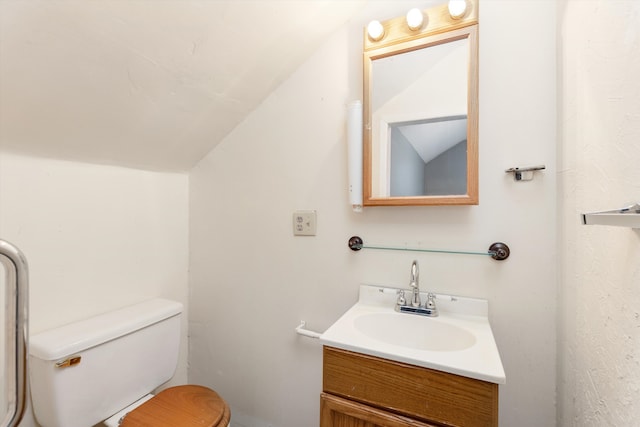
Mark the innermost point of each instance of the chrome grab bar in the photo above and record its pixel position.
(16, 341)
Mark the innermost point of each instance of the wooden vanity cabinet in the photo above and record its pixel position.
(367, 391)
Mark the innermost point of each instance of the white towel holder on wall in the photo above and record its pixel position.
(628, 216)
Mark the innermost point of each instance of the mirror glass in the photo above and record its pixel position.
(420, 116)
(427, 157)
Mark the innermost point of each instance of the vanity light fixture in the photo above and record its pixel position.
(415, 19)
(457, 8)
(375, 30)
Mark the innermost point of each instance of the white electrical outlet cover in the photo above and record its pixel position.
(304, 223)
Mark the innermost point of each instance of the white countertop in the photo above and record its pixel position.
(480, 360)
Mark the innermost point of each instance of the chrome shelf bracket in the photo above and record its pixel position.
(628, 216)
(525, 173)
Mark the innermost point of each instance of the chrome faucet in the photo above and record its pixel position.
(415, 285)
(429, 309)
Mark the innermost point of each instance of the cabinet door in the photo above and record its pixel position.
(338, 412)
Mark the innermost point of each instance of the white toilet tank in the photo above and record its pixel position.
(84, 372)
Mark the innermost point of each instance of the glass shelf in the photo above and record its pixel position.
(498, 251)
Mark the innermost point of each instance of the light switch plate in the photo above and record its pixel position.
(304, 223)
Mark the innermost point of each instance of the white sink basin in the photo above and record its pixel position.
(458, 341)
(413, 331)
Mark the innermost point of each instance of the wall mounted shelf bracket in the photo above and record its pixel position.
(628, 216)
(526, 173)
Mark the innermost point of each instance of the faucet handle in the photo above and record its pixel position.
(401, 299)
(430, 300)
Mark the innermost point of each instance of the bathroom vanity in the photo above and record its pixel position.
(361, 390)
(384, 368)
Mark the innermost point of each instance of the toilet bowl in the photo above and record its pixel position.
(103, 369)
(184, 406)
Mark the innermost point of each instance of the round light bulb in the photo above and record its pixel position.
(414, 19)
(457, 8)
(375, 30)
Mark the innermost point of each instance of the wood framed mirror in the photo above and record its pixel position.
(420, 111)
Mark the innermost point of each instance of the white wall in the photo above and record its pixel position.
(252, 280)
(96, 238)
(599, 315)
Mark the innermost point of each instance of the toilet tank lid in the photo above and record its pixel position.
(79, 336)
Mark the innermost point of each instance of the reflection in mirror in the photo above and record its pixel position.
(420, 113)
(428, 157)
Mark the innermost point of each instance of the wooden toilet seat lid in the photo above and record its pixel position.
(181, 406)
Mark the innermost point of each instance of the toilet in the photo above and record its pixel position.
(103, 370)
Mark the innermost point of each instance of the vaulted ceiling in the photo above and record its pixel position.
(153, 84)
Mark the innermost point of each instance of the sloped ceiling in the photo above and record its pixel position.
(152, 84)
